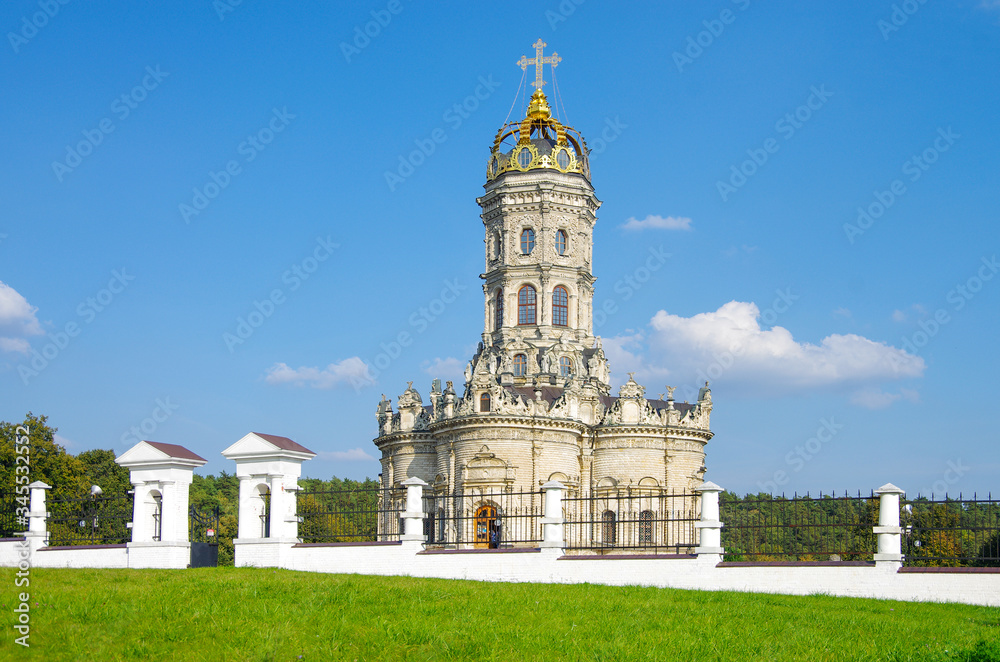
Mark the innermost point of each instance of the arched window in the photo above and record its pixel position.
(498, 310)
(565, 366)
(646, 527)
(496, 245)
(527, 241)
(560, 306)
(484, 403)
(561, 242)
(526, 305)
(520, 365)
(608, 528)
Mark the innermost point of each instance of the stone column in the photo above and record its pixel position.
(413, 517)
(552, 521)
(889, 553)
(710, 538)
(37, 533)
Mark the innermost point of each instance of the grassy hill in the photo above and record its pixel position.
(263, 614)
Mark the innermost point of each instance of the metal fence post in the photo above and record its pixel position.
(552, 521)
(888, 531)
(413, 516)
(37, 533)
(710, 540)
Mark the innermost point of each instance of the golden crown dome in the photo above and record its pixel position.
(539, 141)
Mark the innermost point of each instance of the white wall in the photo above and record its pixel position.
(550, 566)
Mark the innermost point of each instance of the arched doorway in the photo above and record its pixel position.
(487, 527)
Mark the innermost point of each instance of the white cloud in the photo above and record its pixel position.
(348, 371)
(63, 441)
(876, 398)
(733, 250)
(352, 455)
(17, 319)
(729, 346)
(446, 368)
(842, 312)
(15, 345)
(658, 222)
(902, 316)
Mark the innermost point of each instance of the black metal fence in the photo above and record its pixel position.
(951, 532)
(13, 514)
(360, 515)
(483, 519)
(825, 528)
(629, 521)
(90, 520)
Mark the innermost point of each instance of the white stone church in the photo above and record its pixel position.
(536, 404)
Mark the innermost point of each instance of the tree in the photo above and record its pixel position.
(48, 461)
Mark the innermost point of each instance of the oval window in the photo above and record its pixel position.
(562, 158)
(524, 157)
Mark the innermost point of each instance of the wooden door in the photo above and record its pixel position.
(487, 531)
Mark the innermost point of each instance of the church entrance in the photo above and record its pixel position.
(487, 527)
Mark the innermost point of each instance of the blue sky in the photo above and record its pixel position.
(823, 179)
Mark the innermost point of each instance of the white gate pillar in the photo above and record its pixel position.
(710, 539)
(413, 516)
(890, 553)
(267, 464)
(552, 518)
(37, 533)
(165, 471)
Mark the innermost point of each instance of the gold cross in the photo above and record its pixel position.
(538, 61)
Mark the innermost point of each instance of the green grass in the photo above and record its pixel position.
(261, 614)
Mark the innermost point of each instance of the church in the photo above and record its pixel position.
(536, 404)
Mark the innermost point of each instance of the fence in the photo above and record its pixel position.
(951, 532)
(90, 520)
(360, 515)
(13, 514)
(483, 519)
(630, 520)
(826, 528)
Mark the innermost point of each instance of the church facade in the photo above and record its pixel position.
(536, 404)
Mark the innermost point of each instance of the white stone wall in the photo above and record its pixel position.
(549, 566)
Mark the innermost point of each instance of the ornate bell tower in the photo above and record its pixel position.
(539, 212)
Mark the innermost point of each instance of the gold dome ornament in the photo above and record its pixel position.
(539, 141)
